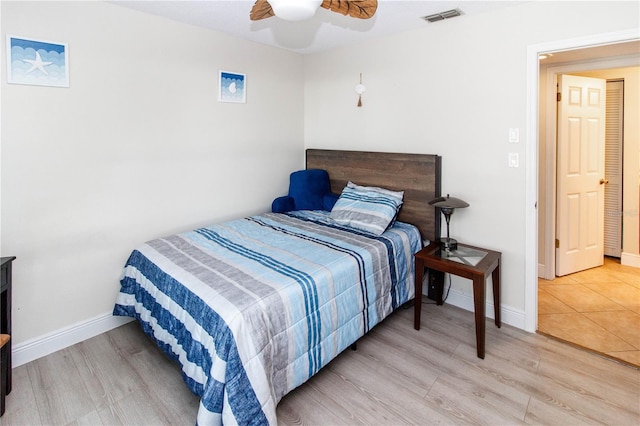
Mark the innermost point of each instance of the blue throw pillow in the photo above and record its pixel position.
(308, 188)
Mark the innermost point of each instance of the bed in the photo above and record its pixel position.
(252, 308)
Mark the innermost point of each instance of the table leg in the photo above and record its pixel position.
(479, 301)
(417, 303)
(495, 277)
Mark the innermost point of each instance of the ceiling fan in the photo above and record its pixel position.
(298, 10)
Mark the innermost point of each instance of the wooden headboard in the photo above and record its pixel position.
(418, 175)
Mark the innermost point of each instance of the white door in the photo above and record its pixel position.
(580, 174)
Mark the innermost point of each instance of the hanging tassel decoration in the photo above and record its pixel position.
(360, 90)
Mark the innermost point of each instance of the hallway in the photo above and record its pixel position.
(598, 309)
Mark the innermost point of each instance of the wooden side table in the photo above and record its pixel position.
(470, 262)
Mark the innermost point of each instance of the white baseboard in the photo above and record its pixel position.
(629, 259)
(33, 349)
(509, 315)
(541, 270)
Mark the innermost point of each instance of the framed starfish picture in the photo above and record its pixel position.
(40, 63)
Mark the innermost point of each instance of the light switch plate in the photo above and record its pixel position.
(514, 159)
(514, 135)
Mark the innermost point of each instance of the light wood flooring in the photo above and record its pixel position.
(397, 376)
(598, 309)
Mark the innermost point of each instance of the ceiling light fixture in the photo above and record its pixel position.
(295, 10)
(298, 10)
(442, 15)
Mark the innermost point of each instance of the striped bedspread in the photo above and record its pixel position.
(253, 308)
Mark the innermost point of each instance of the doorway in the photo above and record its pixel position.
(535, 240)
(593, 302)
(604, 68)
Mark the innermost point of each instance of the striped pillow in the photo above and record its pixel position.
(368, 209)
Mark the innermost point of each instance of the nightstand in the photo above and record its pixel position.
(470, 262)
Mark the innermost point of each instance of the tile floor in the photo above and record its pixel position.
(598, 309)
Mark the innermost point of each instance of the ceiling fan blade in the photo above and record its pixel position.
(363, 9)
(261, 10)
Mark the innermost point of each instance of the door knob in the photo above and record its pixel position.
(603, 181)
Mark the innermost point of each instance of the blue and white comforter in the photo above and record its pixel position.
(254, 307)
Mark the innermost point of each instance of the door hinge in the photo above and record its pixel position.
(557, 243)
(558, 96)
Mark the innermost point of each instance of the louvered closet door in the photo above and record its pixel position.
(613, 169)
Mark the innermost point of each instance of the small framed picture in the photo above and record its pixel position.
(36, 62)
(232, 87)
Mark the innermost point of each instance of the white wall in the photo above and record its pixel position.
(455, 88)
(138, 147)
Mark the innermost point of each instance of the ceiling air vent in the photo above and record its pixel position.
(443, 15)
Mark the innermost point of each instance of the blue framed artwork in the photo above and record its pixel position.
(232, 87)
(40, 63)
